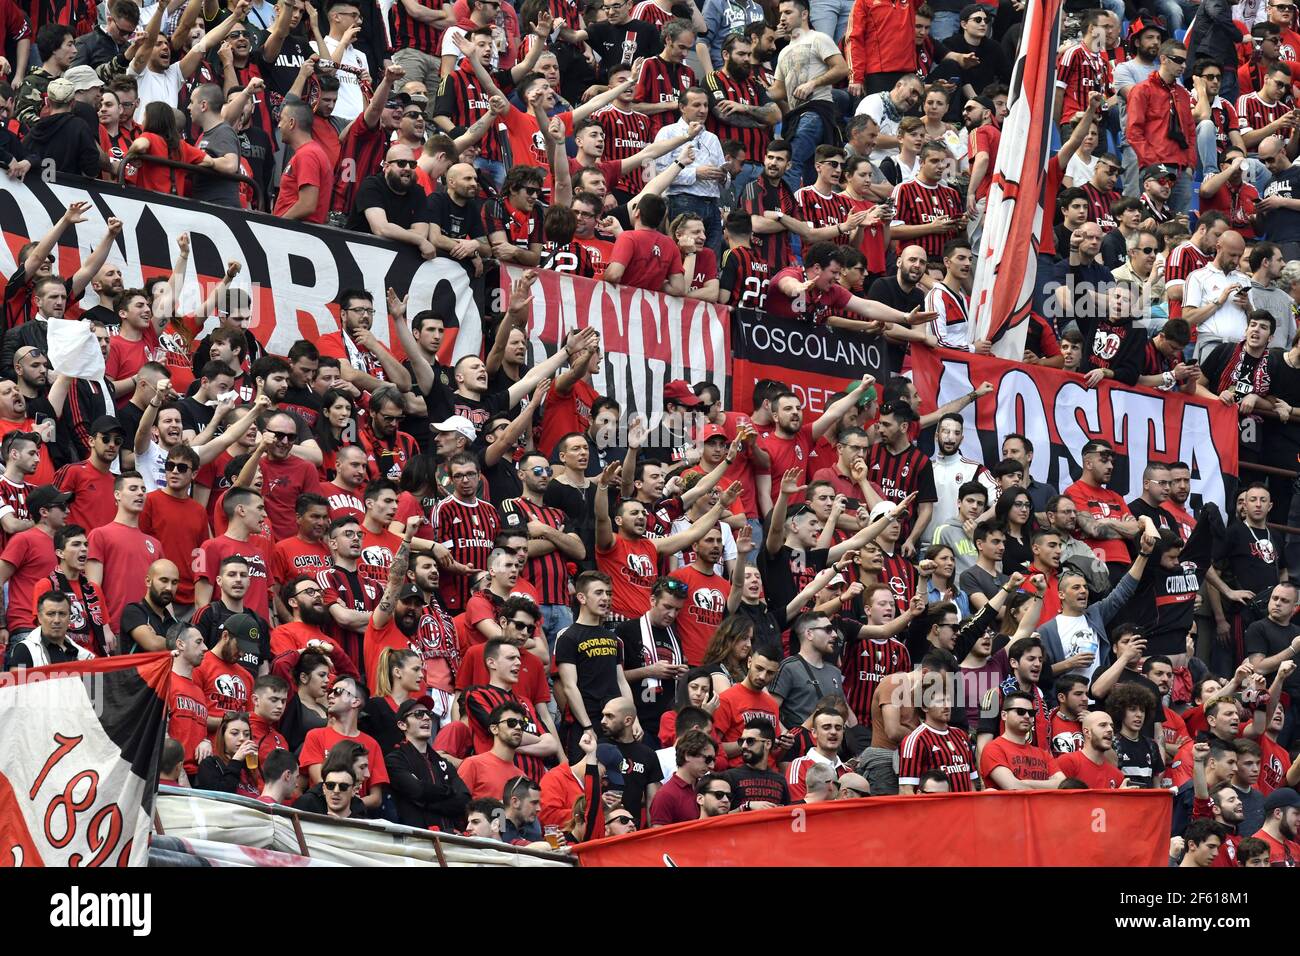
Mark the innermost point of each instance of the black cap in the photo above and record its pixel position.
(409, 591)
(396, 100)
(246, 631)
(46, 496)
(1281, 798)
(411, 703)
(106, 424)
(971, 9)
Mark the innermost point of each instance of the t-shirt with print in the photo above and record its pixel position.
(596, 652)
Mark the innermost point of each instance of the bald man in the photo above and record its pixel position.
(390, 205)
(902, 291)
(1089, 764)
(1215, 300)
(852, 786)
(145, 623)
(455, 220)
(641, 772)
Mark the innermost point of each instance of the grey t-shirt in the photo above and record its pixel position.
(219, 141)
(979, 581)
(800, 685)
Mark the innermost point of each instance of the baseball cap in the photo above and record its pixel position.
(1158, 171)
(246, 632)
(880, 510)
(679, 392)
(411, 703)
(409, 591)
(83, 78)
(60, 91)
(710, 432)
(46, 496)
(971, 9)
(612, 760)
(838, 579)
(397, 101)
(1281, 798)
(459, 424)
(106, 424)
(867, 397)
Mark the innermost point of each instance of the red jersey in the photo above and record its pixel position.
(318, 742)
(228, 686)
(736, 705)
(309, 166)
(187, 716)
(1080, 73)
(1101, 503)
(917, 203)
(634, 567)
(565, 412)
(865, 664)
(343, 503)
(1181, 263)
(649, 258)
(479, 704)
(181, 526)
(706, 606)
(1025, 761)
(661, 82)
(1273, 766)
(282, 483)
(627, 132)
(1254, 112)
(944, 749)
(44, 474)
(1237, 203)
(467, 529)
(872, 242)
(758, 197)
(787, 453)
(818, 210)
(744, 274)
(387, 458)
(377, 551)
(723, 86)
(294, 556)
(812, 305)
(92, 505)
(548, 573)
(1102, 776)
(1185, 522)
(647, 11)
(31, 555)
(1099, 204)
(533, 683)
(125, 554)
(985, 139)
(213, 551)
(1064, 736)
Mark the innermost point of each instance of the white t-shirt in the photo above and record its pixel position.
(449, 47)
(1078, 637)
(150, 466)
(154, 87)
(728, 545)
(1226, 323)
(350, 104)
(804, 60)
(1080, 170)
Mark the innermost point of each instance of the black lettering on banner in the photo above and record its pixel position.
(295, 271)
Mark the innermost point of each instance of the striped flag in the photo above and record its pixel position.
(1006, 268)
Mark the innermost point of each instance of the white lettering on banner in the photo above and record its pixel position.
(647, 338)
(1141, 425)
(293, 271)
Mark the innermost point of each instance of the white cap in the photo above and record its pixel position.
(457, 423)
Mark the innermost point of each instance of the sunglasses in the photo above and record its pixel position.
(514, 723)
(856, 793)
(283, 436)
(181, 466)
(628, 820)
(112, 439)
(710, 760)
(540, 470)
(719, 794)
(1147, 250)
(419, 715)
(673, 586)
(523, 626)
(402, 163)
(977, 20)
(532, 190)
(833, 163)
(1021, 711)
(336, 785)
(1180, 60)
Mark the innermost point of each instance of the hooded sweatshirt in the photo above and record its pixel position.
(65, 140)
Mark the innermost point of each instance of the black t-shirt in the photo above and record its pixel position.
(755, 786)
(502, 478)
(1247, 558)
(137, 615)
(443, 402)
(785, 574)
(597, 653)
(1133, 677)
(887, 290)
(579, 507)
(1139, 760)
(208, 621)
(1265, 637)
(654, 696)
(303, 404)
(640, 769)
(769, 621)
(280, 74)
(194, 414)
(1282, 439)
(403, 209)
(1162, 518)
(620, 44)
(454, 220)
(1215, 366)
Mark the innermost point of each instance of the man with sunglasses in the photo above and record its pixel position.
(389, 205)
(754, 785)
(1104, 521)
(305, 617)
(1161, 128)
(1011, 762)
(503, 670)
(695, 754)
(487, 773)
(344, 703)
(178, 521)
(713, 794)
(427, 790)
(991, 64)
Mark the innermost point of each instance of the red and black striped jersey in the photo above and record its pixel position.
(947, 750)
(571, 257)
(746, 276)
(759, 196)
(660, 82)
(916, 203)
(723, 86)
(900, 574)
(1224, 117)
(405, 32)
(865, 664)
(548, 573)
(462, 100)
(1182, 262)
(818, 209)
(480, 701)
(1099, 206)
(1080, 73)
(900, 475)
(1155, 362)
(627, 132)
(521, 228)
(565, 12)
(79, 15)
(647, 11)
(1254, 113)
(467, 530)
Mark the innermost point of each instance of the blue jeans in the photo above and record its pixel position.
(807, 137)
(831, 17)
(1180, 198)
(706, 209)
(1207, 148)
(495, 169)
(1177, 14)
(555, 618)
(946, 23)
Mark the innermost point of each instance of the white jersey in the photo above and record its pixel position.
(950, 473)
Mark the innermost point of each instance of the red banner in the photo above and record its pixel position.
(1071, 828)
(1059, 415)
(648, 339)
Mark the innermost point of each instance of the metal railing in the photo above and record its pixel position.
(191, 169)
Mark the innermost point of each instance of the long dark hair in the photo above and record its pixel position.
(1003, 510)
(160, 118)
(324, 434)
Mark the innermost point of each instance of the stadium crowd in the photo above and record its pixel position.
(482, 598)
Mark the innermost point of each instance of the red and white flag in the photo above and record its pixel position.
(1006, 268)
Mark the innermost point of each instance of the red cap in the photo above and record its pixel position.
(711, 431)
(679, 392)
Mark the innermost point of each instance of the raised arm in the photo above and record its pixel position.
(790, 487)
(383, 612)
(146, 47)
(604, 527)
(213, 38)
(673, 543)
(95, 261)
(582, 341)
(839, 408)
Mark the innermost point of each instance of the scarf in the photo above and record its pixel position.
(88, 632)
(1259, 379)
